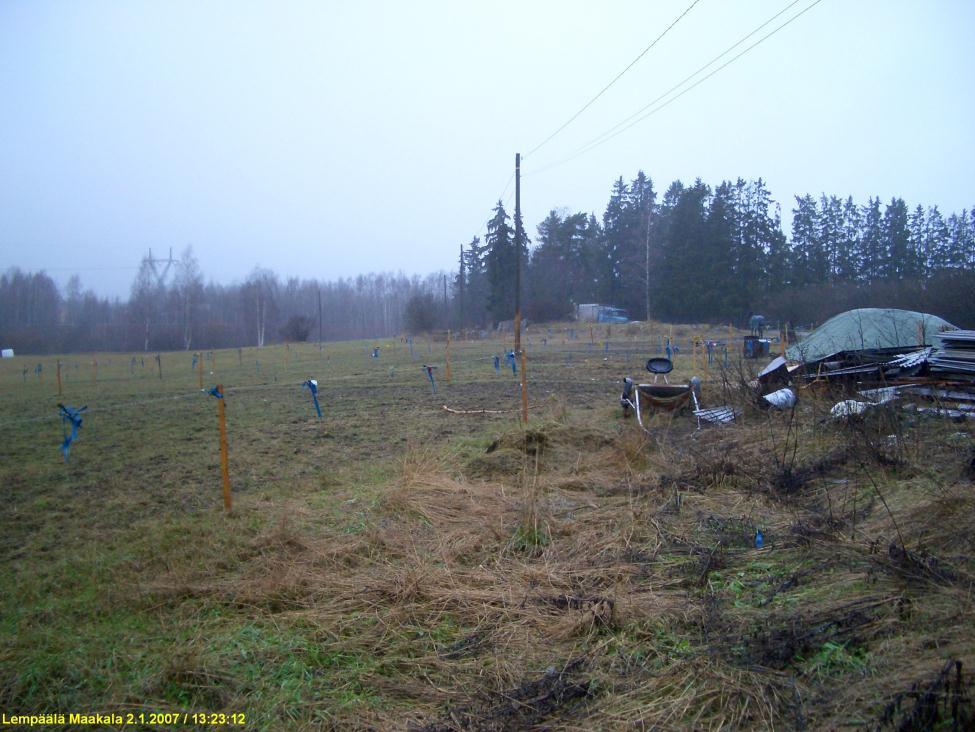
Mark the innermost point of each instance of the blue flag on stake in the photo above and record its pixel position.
(312, 385)
(72, 415)
(429, 372)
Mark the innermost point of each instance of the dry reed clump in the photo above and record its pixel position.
(615, 583)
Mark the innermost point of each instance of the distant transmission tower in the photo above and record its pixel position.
(161, 275)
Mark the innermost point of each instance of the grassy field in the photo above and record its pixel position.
(398, 566)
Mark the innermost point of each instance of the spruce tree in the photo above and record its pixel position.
(872, 241)
(500, 265)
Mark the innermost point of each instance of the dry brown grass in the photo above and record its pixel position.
(612, 581)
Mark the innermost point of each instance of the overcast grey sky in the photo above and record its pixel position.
(327, 139)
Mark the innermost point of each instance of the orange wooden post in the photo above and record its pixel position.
(199, 369)
(524, 389)
(224, 459)
(59, 377)
(592, 340)
(159, 365)
(447, 369)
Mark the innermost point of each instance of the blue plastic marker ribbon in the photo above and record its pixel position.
(759, 539)
(312, 385)
(510, 357)
(215, 392)
(429, 370)
(72, 415)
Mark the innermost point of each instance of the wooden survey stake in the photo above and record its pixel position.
(524, 389)
(224, 459)
(447, 369)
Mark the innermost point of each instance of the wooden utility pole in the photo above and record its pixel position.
(460, 293)
(446, 309)
(648, 262)
(447, 370)
(517, 253)
(518, 239)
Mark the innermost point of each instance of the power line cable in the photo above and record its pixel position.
(615, 79)
(507, 185)
(622, 126)
(691, 76)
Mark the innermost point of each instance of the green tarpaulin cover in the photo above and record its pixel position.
(869, 328)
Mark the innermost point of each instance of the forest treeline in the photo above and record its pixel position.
(696, 253)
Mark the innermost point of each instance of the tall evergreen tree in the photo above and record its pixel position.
(500, 264)
(959, 240)
(548, 275)
(898, 262)
(719, 289)
(477, 289)
(615, 235)
(830, 234)
(917, 233)
(873, 254)
(937, 240)
(685, 213)
(639, 255)
(848, 262)
(808, 259)
(758, 246)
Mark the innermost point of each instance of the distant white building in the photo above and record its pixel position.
(7, 353)
(595, 313)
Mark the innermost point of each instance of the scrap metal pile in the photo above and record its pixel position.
(956, 354)
(883, 355)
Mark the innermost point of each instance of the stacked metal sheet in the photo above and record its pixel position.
(910, 361)
(956, 354)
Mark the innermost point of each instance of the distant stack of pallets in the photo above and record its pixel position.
(956, 354)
